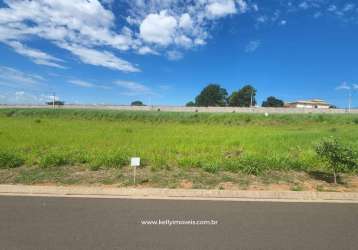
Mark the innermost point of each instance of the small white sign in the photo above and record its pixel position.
(135, 161)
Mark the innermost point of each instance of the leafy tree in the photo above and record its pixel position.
(273, 102)
(137, 103)
(212, 95)
(242, 98)
(56, 103)
(339, 157)
(190, 104)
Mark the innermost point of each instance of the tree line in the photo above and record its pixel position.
(214, 95)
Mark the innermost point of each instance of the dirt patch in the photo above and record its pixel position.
(227, 186)
(194, 178)
(279, 187)
(186, 184)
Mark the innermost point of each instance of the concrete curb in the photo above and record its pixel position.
(177, 194)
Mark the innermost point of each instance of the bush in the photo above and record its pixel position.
(252, 166)
(10, 160)
(339, 157)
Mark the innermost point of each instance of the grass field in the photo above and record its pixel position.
(235, 144)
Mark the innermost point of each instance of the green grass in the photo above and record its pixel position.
(239, 143)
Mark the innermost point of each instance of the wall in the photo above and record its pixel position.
(196, 109)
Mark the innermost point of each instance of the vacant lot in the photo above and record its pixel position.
(177, 149)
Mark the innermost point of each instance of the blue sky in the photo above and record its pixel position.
(166, 51)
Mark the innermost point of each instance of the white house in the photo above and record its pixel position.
(310, 104)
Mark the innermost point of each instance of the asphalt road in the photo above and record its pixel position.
(79, 223)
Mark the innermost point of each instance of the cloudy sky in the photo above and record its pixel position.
(166, 51)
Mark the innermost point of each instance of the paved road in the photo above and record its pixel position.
(78, 223)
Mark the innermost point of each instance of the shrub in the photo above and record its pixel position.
(252, 165)
(10, 113)
(10, 160)
(339, 157)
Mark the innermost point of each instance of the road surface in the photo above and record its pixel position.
(81, 223)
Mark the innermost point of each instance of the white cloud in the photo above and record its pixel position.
(355, 86)
(252, 46)
(179, 25)
(81, 83)
(199, 41)
(84, 23)
(221, 8)
(186, 22)
(13, 77)
(304, 5)
(143, 26)
(348, 7)
(262, 19)
(37, 56)
(131, 88)
(332, 8)
(243, 6)
(90, 26)
(174, 55)
(344, 86)
(283, 22)
(100, 58)
(86, 84)
(317, 15)
(184, 41)
(146, 50)
(158, 28)
(23, 97)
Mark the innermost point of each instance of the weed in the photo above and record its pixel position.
(211, 167)
(10, 160)
(48, 160)
(296, 187)
(189, 162)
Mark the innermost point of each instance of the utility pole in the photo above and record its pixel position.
(53, 100)
(349, 100)
(252, 98)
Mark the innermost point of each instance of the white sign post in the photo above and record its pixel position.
(135, 162)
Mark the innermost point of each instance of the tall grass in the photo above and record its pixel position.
(249, 143)
(182, 117)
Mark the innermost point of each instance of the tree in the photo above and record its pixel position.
(340, 158)
(273, 102)
(190, 104)
(212, 95)
(245, 97)
(56, 103)
(137, 103)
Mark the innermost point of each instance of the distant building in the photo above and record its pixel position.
(310, 104)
